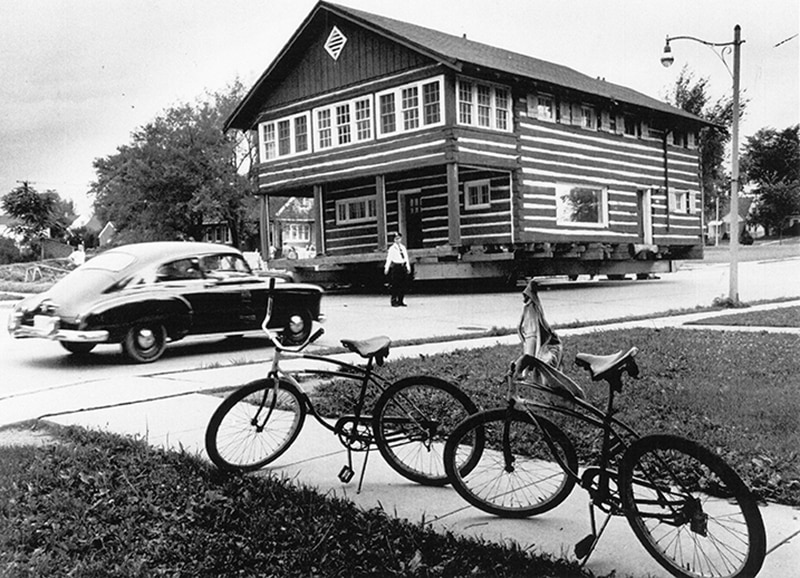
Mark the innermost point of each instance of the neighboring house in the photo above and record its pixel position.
(491, 163)
(294, 228)
(217, 232)
(106, 234)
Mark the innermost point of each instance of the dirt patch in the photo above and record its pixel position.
(25, 437)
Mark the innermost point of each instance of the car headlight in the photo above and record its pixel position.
(14, 320)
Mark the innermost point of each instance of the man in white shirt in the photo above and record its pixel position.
(398, 268)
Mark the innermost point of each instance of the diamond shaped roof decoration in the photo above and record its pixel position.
(335, 43)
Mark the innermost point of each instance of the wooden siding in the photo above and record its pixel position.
(365, 56)
(553, 153)
(419, 149)
(348, 238)
(490, 225)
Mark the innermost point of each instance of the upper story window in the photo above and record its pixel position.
(357, 210)
(586, 206)
(542, 106)
(343, 123)
(477, 195)
(632, 127)
(284, 137)
(484, 106)
(588, 117)
(410, 107)
(684, 139)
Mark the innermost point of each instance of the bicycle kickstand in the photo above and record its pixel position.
(586, 546)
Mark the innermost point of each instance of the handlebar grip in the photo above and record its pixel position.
(317, 334)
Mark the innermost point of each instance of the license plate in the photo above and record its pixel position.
(45, 323)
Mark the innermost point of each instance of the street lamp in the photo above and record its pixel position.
(667, 59)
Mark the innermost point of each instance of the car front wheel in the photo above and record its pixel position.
(145, 342)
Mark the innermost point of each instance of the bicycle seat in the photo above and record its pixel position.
(377, 347)
(602, 366)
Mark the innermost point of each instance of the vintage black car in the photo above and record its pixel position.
(145, 295)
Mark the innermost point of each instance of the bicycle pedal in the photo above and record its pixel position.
(346, 474)
(584, 547)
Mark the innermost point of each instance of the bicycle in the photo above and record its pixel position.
(410, 421)
(687, 507)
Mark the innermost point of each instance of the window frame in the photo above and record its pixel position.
(342, 125)
(564, 189)
(683, 202)
(468, 112)
(270, 149)
(402, 112)
(482, 204)
(370, 210)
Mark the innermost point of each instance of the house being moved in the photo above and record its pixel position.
(491, 163)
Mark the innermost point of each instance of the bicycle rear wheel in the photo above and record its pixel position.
(690, 510)
(516, 474)
(254, 425)
(412, 420)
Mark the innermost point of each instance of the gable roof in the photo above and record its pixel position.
(457, 53)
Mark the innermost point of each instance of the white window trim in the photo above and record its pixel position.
(562, 188)
(592, 117)
(493, 105)
(262, 145)
(683, 202)
(352, 123)
(468, 205)
(533, 106)
(368, 218)
(397, 91)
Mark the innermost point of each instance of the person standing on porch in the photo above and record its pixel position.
(398, 268)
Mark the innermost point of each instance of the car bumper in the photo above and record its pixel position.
(54, 332)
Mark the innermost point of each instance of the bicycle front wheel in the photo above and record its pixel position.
(254, 425)
(516, 474)
(690, 510)
(412, 420)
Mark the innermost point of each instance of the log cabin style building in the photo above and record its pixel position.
(491, 163)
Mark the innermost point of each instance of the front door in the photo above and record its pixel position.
(413, 219)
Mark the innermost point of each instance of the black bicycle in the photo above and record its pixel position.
(688, 508)
(409, 423)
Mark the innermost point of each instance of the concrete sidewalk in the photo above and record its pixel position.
(172, 410)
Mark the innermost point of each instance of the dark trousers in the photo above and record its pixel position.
(398, 279)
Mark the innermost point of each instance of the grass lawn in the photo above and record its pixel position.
(96, 505)
(736, 393)
(780, 317)
(100, 505)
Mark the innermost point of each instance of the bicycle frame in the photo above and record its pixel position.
(340, 369)
(616, 435)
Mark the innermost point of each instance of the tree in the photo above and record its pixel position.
(771, 161)
(691, 96)
(178, 172)
(38, 214)
(772, 156)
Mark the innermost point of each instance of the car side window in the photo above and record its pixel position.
(224, 265)
(180, 270)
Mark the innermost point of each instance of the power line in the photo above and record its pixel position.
(785, 41)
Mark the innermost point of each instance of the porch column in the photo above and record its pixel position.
(263, 226)
(319, 221)
(380, 208)
(453, 210)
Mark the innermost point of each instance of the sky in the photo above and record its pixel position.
(78, 77)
